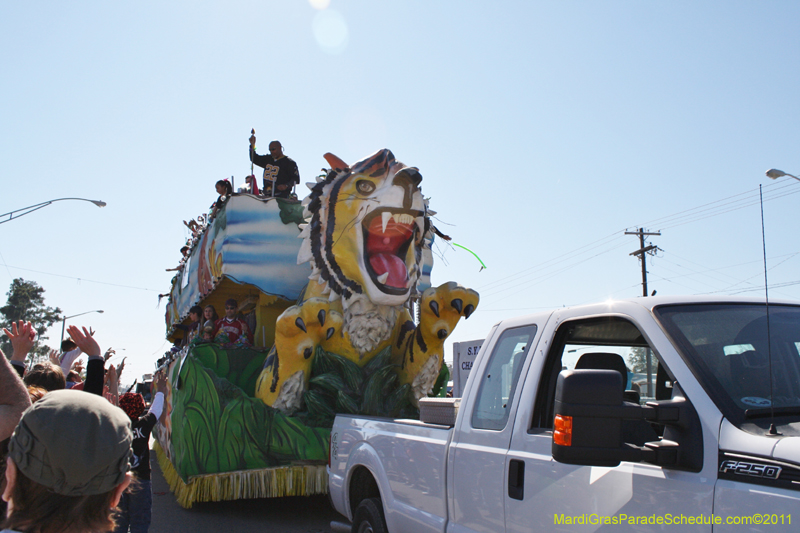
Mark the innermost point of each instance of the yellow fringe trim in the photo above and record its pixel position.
(293, 480)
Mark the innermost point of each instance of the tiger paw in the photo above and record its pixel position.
(298, 332)
(440, 310)
(442, 307)
(301, 328)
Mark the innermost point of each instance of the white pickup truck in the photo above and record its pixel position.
(664, 413)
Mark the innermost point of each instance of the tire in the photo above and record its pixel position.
(368, 517)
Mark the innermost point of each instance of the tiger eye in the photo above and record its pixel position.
(365, 186)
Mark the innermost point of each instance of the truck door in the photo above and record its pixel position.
(542, 494)
(480, 443)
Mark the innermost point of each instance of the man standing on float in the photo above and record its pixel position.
(279, 170)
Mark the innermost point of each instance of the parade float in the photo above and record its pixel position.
(336, 291)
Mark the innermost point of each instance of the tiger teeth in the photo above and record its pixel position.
(383, 277)
(399, 218)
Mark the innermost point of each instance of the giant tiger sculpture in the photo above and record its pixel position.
(365, 234)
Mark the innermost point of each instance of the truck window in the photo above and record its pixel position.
(749, 365)
(499, 381)
(608, 343)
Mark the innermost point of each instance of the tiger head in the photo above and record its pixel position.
(366, 230)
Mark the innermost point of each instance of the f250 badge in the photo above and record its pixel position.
(744, 468)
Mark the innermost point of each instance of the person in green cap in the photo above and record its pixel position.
(67, 465)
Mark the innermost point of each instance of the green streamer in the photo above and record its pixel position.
(473, 253)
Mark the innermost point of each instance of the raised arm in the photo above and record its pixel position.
(157, 405)
(21, 336)
(68, 359)
(95, 367)
(14, 398)
(112, 382)
(259, 160)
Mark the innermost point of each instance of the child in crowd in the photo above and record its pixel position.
(208, 331)
(46, 375)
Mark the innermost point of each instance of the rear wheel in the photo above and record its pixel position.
(368, 517)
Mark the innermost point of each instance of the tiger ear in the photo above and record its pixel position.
(335, 162)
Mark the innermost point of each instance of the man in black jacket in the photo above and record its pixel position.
(279, 170)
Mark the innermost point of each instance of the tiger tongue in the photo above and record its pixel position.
(383, 263)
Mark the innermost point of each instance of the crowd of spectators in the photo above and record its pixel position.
(75, 452)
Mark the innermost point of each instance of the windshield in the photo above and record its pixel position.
(728, 349)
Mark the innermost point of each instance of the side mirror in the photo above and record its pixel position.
(591, 417)
(587, 429)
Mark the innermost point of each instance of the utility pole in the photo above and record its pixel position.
(640, 253)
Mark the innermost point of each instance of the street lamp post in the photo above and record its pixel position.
(32, 208)
(774, 174)
(64, 320)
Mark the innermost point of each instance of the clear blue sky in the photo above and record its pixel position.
(543, 131)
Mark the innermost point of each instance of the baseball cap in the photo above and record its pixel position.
(74, 443)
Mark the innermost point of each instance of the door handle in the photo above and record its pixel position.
(516, 479)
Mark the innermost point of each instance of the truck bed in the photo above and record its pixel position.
(407, 456)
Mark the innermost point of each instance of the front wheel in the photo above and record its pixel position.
(368, 517)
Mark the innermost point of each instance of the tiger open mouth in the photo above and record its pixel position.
(388, 233)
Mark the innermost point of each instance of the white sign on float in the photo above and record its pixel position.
(464, 354)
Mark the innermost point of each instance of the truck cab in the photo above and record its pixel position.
(708, 355)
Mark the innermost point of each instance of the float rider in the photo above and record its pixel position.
(279, 170)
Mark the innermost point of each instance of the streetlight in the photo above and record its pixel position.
(64, 320)
(774, 174)
(32, 208)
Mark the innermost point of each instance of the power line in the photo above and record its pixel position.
(544, 276)
(554, 261)
(761, 288)
(750, 196)
(707, 272)
(729, 287)
(80, 279)
(750, 202)
(687, 216)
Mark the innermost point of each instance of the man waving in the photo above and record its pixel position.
(280, 172)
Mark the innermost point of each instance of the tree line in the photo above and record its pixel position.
(26, 302)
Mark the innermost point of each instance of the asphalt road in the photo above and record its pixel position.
(278, 515)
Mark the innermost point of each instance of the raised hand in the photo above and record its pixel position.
(111, 375)
(120, 367)
(161, 382)
(21, 336)
(85, 340)
(112, 382)
(110, 352)
(53, 355)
